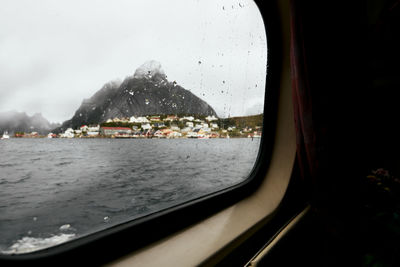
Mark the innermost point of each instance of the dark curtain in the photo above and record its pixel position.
(313, 80)
(302, 100)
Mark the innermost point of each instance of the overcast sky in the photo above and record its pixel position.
(53, 54)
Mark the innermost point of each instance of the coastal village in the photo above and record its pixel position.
(162, 126)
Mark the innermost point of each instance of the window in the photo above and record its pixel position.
(114, 112)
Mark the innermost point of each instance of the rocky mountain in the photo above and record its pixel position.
(147, 92)
(14, 121)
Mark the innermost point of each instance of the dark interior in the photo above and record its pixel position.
(352, 54)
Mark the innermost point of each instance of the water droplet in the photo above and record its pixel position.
(29, 232)
(199, 62)
(35, 219)
(106, 219)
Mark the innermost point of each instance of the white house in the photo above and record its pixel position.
(69, 133)
(175, 128)
(139, 119)
(93, 128)
(211, 118)
(214, 126)
(174, 134)
(190, 118)
(94, 133)
(146, 126)
(192, 135)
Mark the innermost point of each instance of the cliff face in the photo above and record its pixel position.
(147, 92)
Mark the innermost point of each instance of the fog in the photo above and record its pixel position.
(54, 54)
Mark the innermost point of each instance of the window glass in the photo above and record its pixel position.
(111, 110)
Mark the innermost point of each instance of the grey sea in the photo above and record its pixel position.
(54, 190)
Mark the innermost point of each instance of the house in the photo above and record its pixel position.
(171, 118)
(189, 124)
(159, 134)
(175, 128)
(214, 126)
(174, 134)
(138, 119)
(155, 118)
(93, 134)
(214, 135)
(107, 131)
(69, 133)
(159, 125)
(124, 120)
(84, 128)
(192, 135)
(146, 126)
(190, 118)
(211, 118)
(93, 128)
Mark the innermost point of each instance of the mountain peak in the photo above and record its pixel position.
(149, 69)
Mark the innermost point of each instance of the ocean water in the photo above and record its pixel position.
(53, 190)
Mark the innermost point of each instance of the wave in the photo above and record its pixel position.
(64, 163)
(30, 244)
(8, 165)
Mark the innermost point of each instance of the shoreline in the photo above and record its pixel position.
(135, 137)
